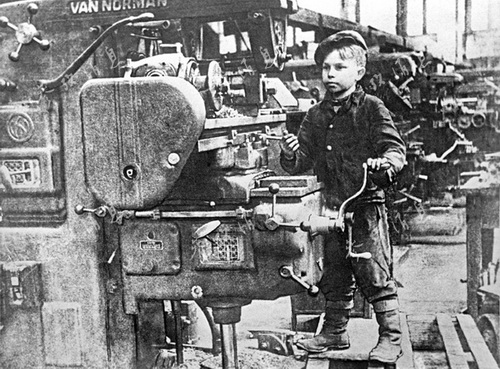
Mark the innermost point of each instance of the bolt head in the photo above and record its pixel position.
(173, 158)
(272, 224)
(101, 212)
(25, 33)
(196, 292)
(286, 272)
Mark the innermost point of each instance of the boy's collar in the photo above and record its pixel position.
(354, 98)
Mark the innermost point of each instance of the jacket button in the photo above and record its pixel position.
(329, 148)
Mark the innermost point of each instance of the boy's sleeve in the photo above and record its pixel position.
(303, 160)
(387, 141)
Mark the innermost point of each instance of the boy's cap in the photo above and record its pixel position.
(342, 36)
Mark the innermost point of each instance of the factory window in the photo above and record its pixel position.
(232, 38)
(380, 14)
(484, 14)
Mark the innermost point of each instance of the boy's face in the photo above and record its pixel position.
(339, 75)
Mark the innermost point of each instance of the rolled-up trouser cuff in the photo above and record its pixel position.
(340, 305)
(383, 306)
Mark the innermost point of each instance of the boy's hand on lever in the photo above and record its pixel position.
(376, 164)
(380, 171)
(289, 145)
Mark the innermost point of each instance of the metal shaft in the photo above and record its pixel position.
(176, 310)
(229, 346)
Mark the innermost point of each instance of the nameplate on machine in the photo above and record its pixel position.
(151, 245)
(102, 6)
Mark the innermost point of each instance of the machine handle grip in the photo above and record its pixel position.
(99, 212)
(361, 255)
(286, 271)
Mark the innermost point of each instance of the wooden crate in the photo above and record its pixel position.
(429, 341)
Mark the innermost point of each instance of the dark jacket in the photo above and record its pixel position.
(336, 144)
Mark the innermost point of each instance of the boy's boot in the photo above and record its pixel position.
(333, 335)
(388, 349)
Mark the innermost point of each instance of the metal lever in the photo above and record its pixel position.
(340, 222)
(271, 137)
(287, 272)
(99, 212)
(273, 223)
(274, 188)
(347, 218)
(49, 85)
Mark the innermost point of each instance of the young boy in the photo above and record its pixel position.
(339, 134)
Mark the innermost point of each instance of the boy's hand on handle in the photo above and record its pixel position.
(289, 144)
(376, 164)
(379, 171)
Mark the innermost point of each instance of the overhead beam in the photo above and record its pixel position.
(326, 25)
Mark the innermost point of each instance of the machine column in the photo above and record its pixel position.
(229, 346)
(227, 313)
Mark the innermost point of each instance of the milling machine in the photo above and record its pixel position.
(162, 125)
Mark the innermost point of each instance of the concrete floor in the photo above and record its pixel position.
(431, 278)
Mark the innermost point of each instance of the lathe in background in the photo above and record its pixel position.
(449, 116)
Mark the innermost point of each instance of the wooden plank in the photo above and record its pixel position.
(474, 250)
(452, 346)
(318, 364)
(482, 355)
(424, 332)
(378, 365)
(363, 336)
(405, 361)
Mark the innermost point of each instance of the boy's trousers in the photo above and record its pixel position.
(372, 276)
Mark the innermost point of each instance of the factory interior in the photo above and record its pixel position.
(147, 217)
